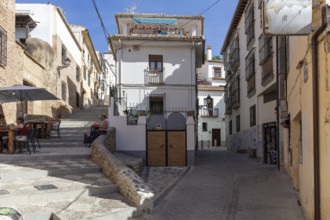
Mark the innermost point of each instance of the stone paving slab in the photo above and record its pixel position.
(162, 179)
(82, 208)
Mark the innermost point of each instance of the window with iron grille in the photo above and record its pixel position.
(64, 54)
(252, 115)
(249, 26)
(155, 63)
(234, 54)
(235, 93)
(89, 80)
(63, 88)
(238, 123)
(230, 127)
(265, 49)
(250, 65)
(204, 126)
(251, 86)
(267, 73)
(156, 104)
(85, 72)
(3, 47)
(78, 73)
(217, 72)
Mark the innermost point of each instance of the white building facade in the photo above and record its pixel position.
(76, 81)
(211, 88)
(156, 58)
(250, 97)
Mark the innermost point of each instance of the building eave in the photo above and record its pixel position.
(59, 10)
(241, 5)
(210, 88)
(130, 15)
(91, 49)
(155, 37)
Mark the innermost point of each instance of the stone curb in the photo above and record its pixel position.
(130, 185)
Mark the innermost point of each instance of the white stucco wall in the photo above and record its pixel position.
(212, 122)
(49, 23)
(179, 76)
(264, 111)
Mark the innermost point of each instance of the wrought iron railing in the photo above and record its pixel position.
(208, 112)
(154, 76)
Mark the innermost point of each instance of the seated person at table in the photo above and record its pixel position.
(97, 129)
(22, 129)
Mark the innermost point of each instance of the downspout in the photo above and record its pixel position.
(277, 110)
(316, 116)
(119, 69)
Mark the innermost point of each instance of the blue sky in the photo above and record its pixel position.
(216, 23)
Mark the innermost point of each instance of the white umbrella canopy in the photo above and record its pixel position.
(24, 93)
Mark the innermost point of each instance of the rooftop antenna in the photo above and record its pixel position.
(131, 9)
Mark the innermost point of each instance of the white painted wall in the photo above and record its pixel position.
(41, 13)
(212, 122)
(265, 111)
(179, 76)
(50, 23)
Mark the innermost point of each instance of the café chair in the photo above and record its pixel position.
(23, 141)
(57, 129)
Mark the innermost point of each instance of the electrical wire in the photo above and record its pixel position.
(106, 33)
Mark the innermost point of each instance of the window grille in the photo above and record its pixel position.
(3, 47)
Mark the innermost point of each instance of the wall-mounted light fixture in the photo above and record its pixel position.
(67, 62)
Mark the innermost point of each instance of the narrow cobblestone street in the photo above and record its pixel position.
(230, 186)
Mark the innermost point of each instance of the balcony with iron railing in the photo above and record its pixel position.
(234, 59)
(235, 96)
(266, 49)
(154, 76)
(267, 73)
(204, 111)
(228, 107)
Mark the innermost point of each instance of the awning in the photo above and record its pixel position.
(166, 21)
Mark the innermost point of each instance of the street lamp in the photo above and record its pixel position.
(208, 99)
(209, 104)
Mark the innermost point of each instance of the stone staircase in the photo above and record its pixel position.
(60, 181)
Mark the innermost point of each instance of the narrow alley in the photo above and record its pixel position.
(230, 186)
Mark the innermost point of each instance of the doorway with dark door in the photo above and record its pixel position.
(270, 145)
(216, 137)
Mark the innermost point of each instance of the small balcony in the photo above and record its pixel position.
(154, 76)
(208, 112)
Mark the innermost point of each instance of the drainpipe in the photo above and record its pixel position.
(316, 116)
(277, 111)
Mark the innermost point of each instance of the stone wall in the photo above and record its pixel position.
(130, 185)
(12, 72)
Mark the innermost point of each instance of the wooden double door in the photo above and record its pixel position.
(166, 148)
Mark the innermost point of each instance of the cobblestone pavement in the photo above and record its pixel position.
(226, 186)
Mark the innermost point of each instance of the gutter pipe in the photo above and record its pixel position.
(316, 116)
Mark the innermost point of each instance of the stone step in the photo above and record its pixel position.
(48, 153)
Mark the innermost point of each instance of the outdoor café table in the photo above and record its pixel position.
(10, 140)
(40, 124)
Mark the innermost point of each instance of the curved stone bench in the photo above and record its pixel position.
(130, 185)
